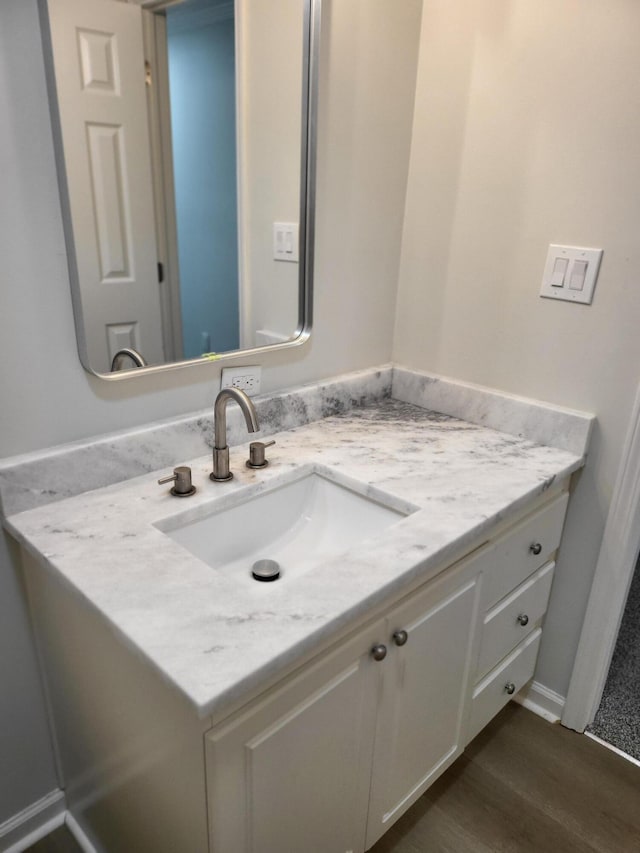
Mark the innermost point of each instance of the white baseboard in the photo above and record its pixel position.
(32, 824)
(542, 701)
(79, 834)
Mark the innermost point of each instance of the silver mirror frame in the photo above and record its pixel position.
(310, 91)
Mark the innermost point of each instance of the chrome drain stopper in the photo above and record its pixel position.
(266, 570)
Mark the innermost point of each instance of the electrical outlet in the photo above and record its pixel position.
(246, 378)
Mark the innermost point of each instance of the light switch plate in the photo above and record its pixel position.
(578, 282)
(285, 241)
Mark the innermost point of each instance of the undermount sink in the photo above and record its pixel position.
(298, 524)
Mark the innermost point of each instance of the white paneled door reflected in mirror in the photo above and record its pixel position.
(184, 133)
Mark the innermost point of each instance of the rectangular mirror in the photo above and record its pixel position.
(185, 140)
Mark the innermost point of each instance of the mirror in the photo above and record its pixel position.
(185, 142)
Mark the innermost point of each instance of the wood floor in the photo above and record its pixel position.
(523, 786)
(526, 786)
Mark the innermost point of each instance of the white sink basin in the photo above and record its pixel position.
(299, 524)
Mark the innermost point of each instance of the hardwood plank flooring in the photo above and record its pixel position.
(522, 786)
(525, 786)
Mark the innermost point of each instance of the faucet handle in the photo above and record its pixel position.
(256, 454)
(182, 479)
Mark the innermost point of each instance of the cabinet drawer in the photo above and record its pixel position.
(490, 695)
(503, 628)
(515, 556)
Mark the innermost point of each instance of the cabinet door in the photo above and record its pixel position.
(293, 772)
(420, 721)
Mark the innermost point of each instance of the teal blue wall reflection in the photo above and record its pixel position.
(203, 119)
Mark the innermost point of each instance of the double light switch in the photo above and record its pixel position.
(285, 241)
(570, 273)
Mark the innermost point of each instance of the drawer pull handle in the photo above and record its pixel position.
(379, 652)
(510, 688)
(400, 637)
(523, 619)
(535, 548)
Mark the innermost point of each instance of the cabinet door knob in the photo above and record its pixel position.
(523, 619)
(535, 548)
(510, 687)
(400, 637)
(379, 652)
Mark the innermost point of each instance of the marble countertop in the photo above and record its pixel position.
(216, 639)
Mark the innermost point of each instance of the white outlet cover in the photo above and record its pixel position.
(562, 287)
(247, 378)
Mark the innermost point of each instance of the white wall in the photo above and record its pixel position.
(527, 132)
(369, 56)
(269, 129)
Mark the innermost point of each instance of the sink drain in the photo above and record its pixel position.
(266, 570)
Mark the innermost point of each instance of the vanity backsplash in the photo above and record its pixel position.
(42, 477)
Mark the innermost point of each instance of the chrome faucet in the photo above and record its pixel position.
(221, 471)
(120, 359)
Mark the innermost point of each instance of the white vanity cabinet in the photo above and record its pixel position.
(326, 757)
(330, 760)
(192, 714)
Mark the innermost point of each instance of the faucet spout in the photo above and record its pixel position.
(119, 361)
(221, 471)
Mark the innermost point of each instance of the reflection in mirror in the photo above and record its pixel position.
(179, 127)
(199, 44)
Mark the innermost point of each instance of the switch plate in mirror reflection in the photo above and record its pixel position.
(173, 125)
